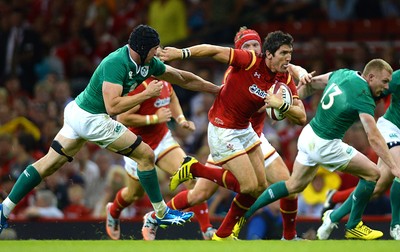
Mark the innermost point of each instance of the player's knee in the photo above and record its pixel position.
(376, 174)
(145, 157)
(260, 189)
(249, 189)
(148, 156)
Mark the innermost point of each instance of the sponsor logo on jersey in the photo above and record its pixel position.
(254, 89)
(257, 75)
(130, 75)
(393, 135)
(162, 102)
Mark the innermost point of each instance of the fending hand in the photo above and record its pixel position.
(170, 53)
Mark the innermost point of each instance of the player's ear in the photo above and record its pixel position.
(269, 55)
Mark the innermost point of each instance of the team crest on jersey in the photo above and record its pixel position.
(144, 71)
(257, 91)
(130, 75)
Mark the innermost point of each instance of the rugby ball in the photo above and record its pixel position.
(276, 114)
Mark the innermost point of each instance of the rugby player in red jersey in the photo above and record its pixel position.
(234, 144)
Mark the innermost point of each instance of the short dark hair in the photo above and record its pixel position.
(275, 40)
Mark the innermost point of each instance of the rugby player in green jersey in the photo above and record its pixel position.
(389, 126)
(348, 96)
(89, 119)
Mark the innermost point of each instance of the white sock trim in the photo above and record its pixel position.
(8, 206)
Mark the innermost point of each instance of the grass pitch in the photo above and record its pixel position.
(198, 246)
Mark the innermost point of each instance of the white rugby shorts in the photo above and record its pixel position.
(268, 151)
(226, 144)
(389, 130)
(100, 129)
(330, 154)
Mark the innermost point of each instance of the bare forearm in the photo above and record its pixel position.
(377, 141)
(296, 113)
(132, 120)
(378, 144)
(122, 104)
(317, 83)
(202, 86)
(176, 109)
(218, 53)
(305, 91)
(296, 71)
(190, 81)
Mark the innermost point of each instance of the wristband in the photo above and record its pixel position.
(155, 119)
(284, 107)
(186, 53)
(147, 119)
(180, 119)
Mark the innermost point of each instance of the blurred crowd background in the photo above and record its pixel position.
(49, 49)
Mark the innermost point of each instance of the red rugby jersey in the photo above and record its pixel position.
(154, 133)
(243, 94)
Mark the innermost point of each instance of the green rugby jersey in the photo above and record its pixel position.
(393, 112)
(346, 95)
(119, 68)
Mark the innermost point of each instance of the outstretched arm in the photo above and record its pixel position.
(378, 143)
(219, 53)
(188, 80)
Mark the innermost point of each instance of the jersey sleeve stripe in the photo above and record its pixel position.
(289, 79)
(231, 56)
(253, 60)
(226, 75)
